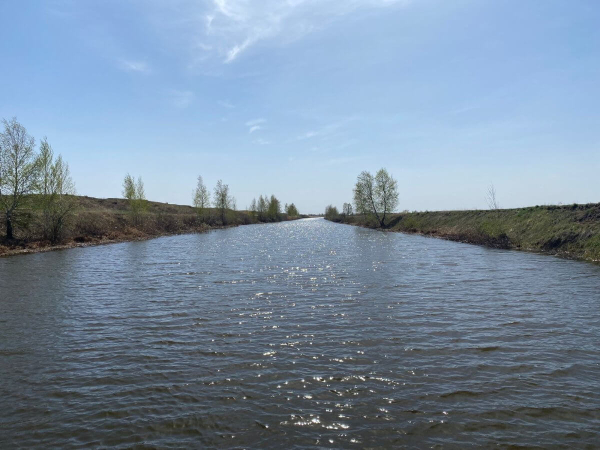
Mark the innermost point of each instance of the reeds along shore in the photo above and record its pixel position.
(571, 231)
(97, 221)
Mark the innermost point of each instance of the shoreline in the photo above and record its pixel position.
(100, 241)
(557, 254)
(110, 221)
(569, 232)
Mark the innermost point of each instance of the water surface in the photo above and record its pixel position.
(298, 334)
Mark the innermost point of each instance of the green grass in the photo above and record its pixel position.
(569, 231)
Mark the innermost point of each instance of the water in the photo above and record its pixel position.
(298, 334)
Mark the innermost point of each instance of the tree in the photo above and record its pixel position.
(364, 193)
(490, 197)
(274, 209)
(140, 194)
(291, 210)
(201, 197)
(386, 191)
(376, 196)
(222, 200)
(129, 188)
(262, 208)
(331, 213)
(18, 170)
(134, 192)
(55, 188)
(347, 209)
(253, 208)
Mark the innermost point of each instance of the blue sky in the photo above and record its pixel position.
(297, 97)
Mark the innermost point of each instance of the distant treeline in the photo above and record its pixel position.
(39, 204)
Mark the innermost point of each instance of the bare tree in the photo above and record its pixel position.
(201, 197)
(347, 209)
(18, 170)
(56, 189)
(376, 196)
(490, 197)
(222, 200)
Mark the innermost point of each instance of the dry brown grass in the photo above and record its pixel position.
(98, 221)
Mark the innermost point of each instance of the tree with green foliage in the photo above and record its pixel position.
(291, 210)
(18, 170)
(274, 209)
(376, 196)
(56, 190)
(331, 213)
(254, 209)
(134, 192)
(201, 197)
(223, 201)
(262, 208)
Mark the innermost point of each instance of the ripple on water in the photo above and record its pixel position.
(298, 334)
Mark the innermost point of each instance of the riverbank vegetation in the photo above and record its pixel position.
(40, 208)
(268, 209)
(571, 231)
(100, 221)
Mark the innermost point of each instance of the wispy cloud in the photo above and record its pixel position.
(254, 122)
(129, 65)
(237, 49)
(226, 29)
(326, 130)
(261, 142)
(226, 104)
(308, 135)
(255, 125)
(181, 99)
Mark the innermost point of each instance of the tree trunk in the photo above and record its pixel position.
(9, 227)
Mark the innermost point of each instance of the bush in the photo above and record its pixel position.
(331, 213)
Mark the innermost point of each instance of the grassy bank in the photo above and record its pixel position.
(101, 221)
(571, 231)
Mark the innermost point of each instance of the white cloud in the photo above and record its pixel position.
(226, 104)
(134, 66)
(308, 135)
(261, 142)
(327, 130)
(181, 99)
(225, 29)
(237, 49)
(254, 122)
(255, 125)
